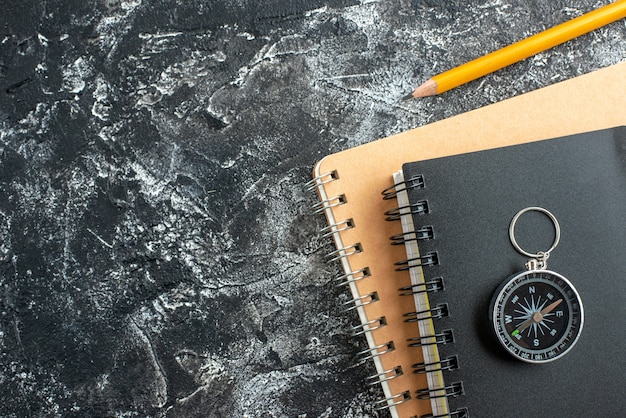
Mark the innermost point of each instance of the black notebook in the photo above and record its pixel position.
(458, 231)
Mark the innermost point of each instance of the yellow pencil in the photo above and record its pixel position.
(520, 50)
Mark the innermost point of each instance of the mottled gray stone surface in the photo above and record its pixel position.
(157, 252)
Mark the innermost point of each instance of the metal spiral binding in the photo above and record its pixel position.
(438, 312)
(344, 225)
(392, 401)
(344, 252)
(321, 179)
(416, 182)
(384, 376)
(422, 234)
(361, 301)
(451, 391)
(353, 276)
(441, 338)
(450, 363)
(433, 285)
(331, 202)
(369, 326)
(373, 352)
(430, 259)
(417, 208)
(459, 413)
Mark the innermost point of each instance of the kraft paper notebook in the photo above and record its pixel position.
(349, 185)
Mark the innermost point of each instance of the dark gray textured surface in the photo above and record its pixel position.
(157, 254)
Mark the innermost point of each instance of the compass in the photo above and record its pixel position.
(537, 314)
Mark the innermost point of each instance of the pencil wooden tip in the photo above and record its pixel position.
(428, 88)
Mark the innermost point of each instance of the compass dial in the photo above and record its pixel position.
(537, 315)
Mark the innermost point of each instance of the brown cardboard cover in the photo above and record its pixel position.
(590, 102)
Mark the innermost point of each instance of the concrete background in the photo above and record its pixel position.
(158, 256)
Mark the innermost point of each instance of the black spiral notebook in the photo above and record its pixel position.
(455, 213)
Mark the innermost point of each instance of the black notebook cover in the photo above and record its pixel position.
(472, 198)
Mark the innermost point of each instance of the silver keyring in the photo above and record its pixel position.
(557, 231)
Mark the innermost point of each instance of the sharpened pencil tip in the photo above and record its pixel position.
(408, 96)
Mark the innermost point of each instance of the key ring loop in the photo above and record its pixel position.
(541, 255)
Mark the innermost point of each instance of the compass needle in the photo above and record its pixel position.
(551, 307)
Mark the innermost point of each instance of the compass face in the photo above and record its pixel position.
(537, 315)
